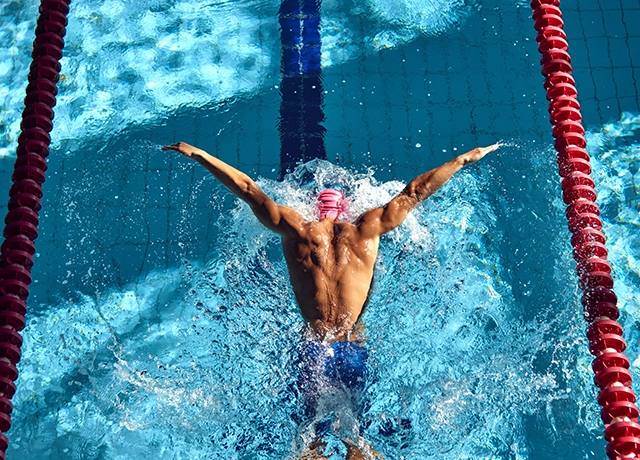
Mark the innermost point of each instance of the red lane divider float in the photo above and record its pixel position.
(619, 409)
(21, 222)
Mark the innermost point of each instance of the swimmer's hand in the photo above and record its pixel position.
(184, 148)
(476, 154)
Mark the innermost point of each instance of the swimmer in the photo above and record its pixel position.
(331, 265)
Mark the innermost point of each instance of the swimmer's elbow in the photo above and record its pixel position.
(248, 187)
(249, 190)
(413, 194)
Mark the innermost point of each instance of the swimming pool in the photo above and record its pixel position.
(161, 321)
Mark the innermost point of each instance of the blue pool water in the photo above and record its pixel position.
(161, 321)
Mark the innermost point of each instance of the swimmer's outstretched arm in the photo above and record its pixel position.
(279, 219)
(381, 220)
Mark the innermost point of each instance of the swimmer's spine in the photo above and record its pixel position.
(21, 222)
(619, 411)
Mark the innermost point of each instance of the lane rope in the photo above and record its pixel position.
(21, 222)
(619, 411)
(301, 110)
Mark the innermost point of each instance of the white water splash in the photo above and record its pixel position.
(207, 348)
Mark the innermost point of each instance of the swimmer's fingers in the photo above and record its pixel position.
(480, 152)
(476, 154)
(491, 148)
(175, 147)
(182, 147)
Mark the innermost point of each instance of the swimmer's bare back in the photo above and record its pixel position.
(330, 263)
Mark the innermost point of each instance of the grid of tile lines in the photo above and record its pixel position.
(457, 90)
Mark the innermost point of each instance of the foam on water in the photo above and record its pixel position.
(197, 362)
(133, 62)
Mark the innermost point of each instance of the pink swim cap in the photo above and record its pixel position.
(331, 203)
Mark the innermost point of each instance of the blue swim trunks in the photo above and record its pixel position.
(339, 365)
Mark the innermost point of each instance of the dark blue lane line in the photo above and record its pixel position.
(301, 110)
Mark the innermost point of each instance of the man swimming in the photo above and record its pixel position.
(331, 265)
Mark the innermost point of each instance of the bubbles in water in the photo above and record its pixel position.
(208, 348)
